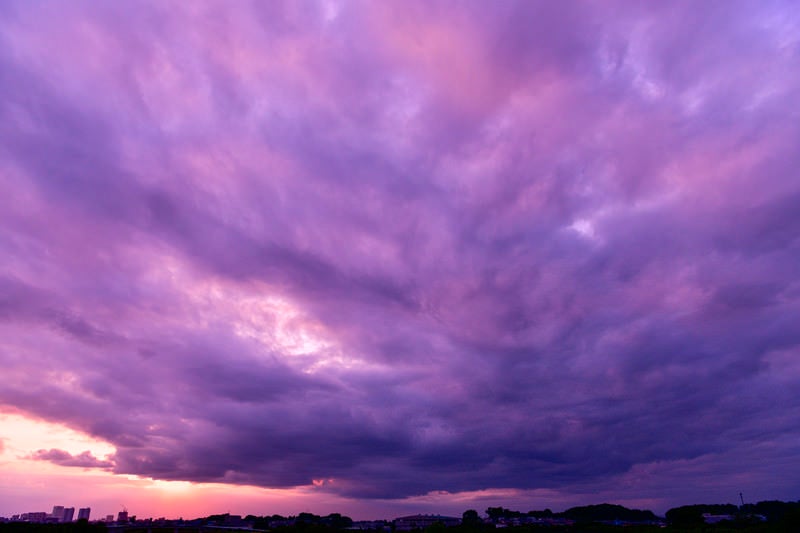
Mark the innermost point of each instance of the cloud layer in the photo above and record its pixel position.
(388, 249)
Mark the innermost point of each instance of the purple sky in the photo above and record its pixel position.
(404, 255)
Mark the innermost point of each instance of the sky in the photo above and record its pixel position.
(382, 258)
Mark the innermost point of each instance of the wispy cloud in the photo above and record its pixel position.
(64, 458)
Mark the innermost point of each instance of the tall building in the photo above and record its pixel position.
(122, 517)
(84, 512)
(58, 513)
(69, 513)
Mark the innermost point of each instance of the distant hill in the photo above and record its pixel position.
(606, 512)
(773, 511)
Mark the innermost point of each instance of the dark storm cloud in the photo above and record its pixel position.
(537, 246)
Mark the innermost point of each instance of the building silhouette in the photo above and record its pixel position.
(422, 521)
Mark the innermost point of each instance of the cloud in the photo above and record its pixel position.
(243, 247)
(64, 458)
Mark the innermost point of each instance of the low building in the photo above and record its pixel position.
(38, 518)
(369, 525)
(709, 518)
(421, 521)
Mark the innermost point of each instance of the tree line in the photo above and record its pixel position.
(764, 516)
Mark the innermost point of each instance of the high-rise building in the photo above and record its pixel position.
(58, 513)
(84, 512)
(122, 517)
(69, 514)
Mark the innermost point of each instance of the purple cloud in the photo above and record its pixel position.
(64, 458)
(406, 249)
